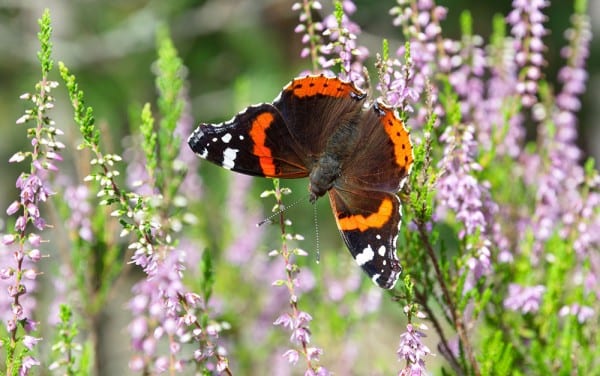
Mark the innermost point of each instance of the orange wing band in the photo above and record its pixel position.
(362, 223)
(399, 136)
(258, 132)
(321, 85)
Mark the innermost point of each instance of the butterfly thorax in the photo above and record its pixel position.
(323, 175)
(328, 168)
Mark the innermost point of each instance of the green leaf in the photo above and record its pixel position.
(208, 275)
(149, 139)
(45, 52)
(466, 23)
(385, 49)
(169, 83)
(496, 356)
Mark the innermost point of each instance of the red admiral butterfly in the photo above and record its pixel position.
(317, 127)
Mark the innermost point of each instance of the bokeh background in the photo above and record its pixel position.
(237, 52)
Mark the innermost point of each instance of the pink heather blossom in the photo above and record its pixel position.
(524, 299)
(412, 350)
(583, 313)
(526, 20)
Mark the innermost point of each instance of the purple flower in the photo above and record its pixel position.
(396, 85)
(155, 306)
(310, 29)
(560, 207)
(413, 351)
(245, 243)
(28, 363)
(458, 188)
(524, 299)
(479, 264)
(292, 356)
(30, 342)
(76, 198)
(526, 20)
(342, 48)
(18, 273)
(420, 22)
(583, 313)
(191, 186)
(295, 320)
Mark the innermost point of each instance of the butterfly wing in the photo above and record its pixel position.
(284, 138)
(315, 107)
(255, 142)
(368, 222)
(366, 208)
(383, 155)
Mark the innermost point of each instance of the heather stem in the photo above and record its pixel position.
(456, 315)
(290, 269)
(447, 352)
(203, 335)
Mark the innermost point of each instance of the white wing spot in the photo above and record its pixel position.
(381, 251)
(226, 138)
(229, 158)
(375, 278)
(365, 256)
(241, 137)
(204, 153)
(378, 237)
(214, 139)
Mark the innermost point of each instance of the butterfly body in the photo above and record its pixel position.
(317, 128)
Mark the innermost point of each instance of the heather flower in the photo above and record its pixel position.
(337, 288)
(412, 350)
(458, 188)
(27, 302)
(155, 306)
(479, 263)
(526, 19)
(466, 78)
(332, 42)
(19, 272)
(559, 201)
(583, 313)
(311, 30)
(501, 93)
(30, 341)
(296, 320)
(243, 246)
(342, 49)
(137, 176)
(524, 299)
(191, 186)
(28, 363)
(420, 22)
(396, 84)
(77, 199)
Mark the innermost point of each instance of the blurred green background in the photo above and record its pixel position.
(237, 53)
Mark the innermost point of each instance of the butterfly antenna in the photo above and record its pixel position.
(317, 245)
(269, 218)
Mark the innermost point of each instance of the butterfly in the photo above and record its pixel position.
(318, 127)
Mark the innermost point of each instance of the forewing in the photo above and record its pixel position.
(255, 142)
(383, 157)
(315, 106)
